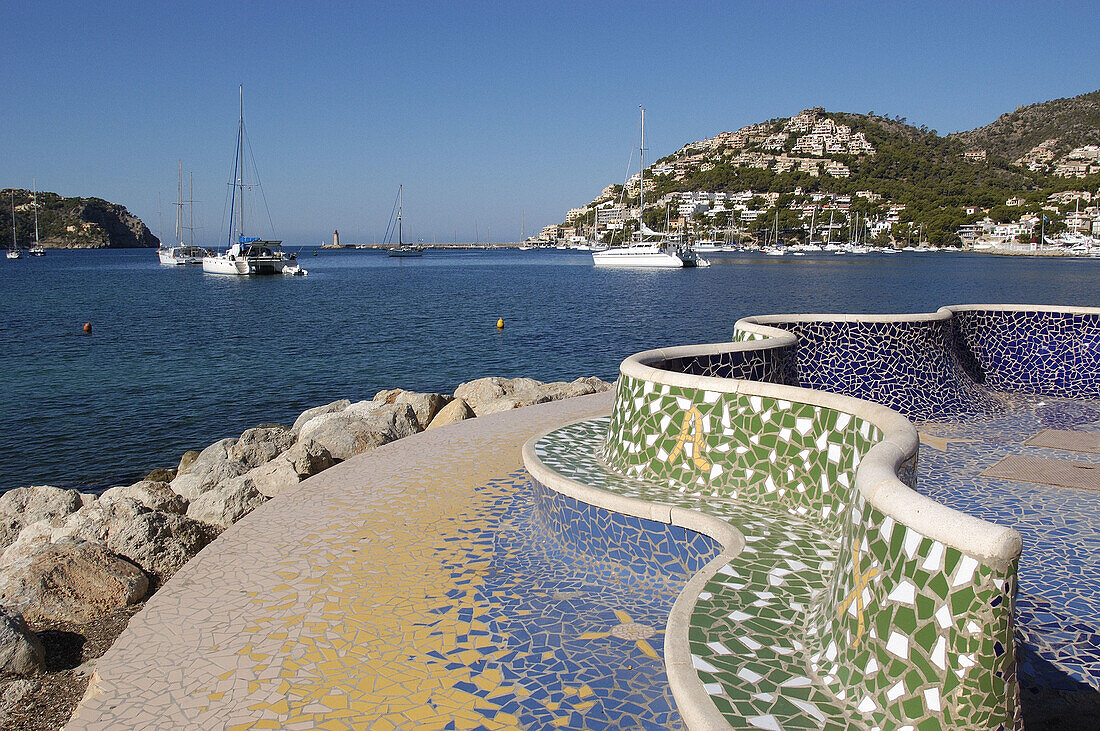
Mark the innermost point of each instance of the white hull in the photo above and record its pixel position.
(242, 265)
(15, 254)
(177, 256)
(647, 256)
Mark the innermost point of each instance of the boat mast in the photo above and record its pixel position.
(641, 176)
(34, 186)
(399, 244)
(191, 204)
(179, 205)
(240, 155)
(14, 244)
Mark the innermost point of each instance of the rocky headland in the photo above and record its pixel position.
(72, 223)
(74, 567)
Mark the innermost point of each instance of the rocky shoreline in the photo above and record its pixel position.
(75, 566)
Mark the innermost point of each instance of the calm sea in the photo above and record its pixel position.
(178, 359)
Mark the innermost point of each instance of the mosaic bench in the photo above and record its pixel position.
(841, 596)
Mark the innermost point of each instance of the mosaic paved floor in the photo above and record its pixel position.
(1058, 602)
(410, 589)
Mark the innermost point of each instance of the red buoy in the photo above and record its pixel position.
(88, 328)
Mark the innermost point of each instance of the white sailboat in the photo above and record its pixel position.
(401, 249)
(246, 255)
(183, 254)
(656, 254)
(13, 252)
(38, 249)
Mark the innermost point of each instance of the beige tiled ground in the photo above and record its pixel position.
(328, 607)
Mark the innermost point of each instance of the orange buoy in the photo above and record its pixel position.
(87, 328)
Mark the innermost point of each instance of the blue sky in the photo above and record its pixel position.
(484, 111)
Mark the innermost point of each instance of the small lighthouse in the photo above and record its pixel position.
(336, 239)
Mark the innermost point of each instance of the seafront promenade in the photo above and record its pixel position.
(740, 539)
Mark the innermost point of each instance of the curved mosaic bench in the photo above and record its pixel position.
(841, 597)
(942, 364)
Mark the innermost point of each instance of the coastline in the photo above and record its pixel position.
(137, 536)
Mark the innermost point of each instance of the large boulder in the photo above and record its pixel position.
(226, 504)
(482, 391)
(25, 505)
(491, 395)
(306, 458)
(424, 405)
(161, 474)
(97, 521)
(161, 543)
(454, 412)
(21, 652)
(153, 495)
(261, 444)
(357, 430)
(71, 581)
(318, 411)
(186, 462)
(212, 467)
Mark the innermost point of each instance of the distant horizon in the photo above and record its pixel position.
(485, 113)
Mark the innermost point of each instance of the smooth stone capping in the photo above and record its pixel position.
(71, 581)
(454, 412)
(26, 505)
(21, 652)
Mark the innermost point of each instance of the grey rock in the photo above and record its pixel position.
(21, 652)
(226, 504)
(26, 505)
(425, 405)
(161, 475)
(261, 444)
(95, 522)
(186, 461)
(347, 435)
(153, 495)
(454, 412)
(308, 414)
(492, 395)
(306, 458)
(212, 467)
(14, 696)
(71, 581)
(161, 543)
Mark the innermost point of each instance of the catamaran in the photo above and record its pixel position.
(247, 255)
(658, 252)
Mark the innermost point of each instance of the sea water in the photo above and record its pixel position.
(178, 359)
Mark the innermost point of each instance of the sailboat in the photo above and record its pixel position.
(247, 255)
(38, 249)
(401, 249)
(658, 254)
(183, 254)
(14, 252)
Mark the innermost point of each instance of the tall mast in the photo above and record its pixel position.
(399, 214)
(34, 185)
(641, 176)
(240, 155)
(191, 204)
(179, 206)
(14, 244)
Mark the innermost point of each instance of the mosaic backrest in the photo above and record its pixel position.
(1046, 351)
(915, 626)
